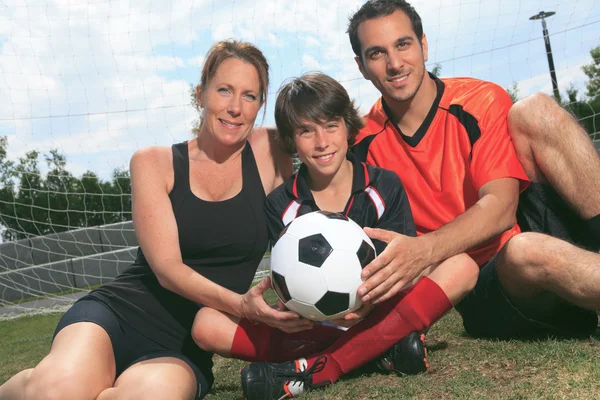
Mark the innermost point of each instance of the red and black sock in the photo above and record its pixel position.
(261, 342)
(415, 309)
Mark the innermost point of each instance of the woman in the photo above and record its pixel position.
(198, 215)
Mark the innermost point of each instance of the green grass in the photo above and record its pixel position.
(461, 367)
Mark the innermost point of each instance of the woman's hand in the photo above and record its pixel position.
(254, 308)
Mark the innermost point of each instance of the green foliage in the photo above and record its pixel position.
(33, 204)
(587, 112)
(437, 69)
(593, 73)
(196, 105)
(513, 92)
(296, 163)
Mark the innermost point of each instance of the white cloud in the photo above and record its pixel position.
(103, 60)
(197, 62)
(573, 75)
(309, 63)
(310, 41)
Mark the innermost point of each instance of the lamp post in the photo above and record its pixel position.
(542, 15)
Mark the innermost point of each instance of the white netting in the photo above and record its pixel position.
(95, 80)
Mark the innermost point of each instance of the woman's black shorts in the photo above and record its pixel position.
(129, 346)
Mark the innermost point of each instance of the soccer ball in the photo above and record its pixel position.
(316, 265)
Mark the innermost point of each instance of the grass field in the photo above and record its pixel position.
(461, 367)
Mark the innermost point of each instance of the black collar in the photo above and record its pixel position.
(298, 185)
(414, 140)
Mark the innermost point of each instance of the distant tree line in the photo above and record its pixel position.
(33, 204)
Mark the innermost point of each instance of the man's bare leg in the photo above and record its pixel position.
(554, 148)
(538, 272)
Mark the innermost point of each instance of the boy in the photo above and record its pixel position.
(317, 120)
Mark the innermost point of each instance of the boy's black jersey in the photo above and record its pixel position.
(378, 200)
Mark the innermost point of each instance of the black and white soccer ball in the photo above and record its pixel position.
(316, 265)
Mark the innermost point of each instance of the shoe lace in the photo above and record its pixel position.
(305, 377)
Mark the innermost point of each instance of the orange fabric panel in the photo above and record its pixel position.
(443, 173)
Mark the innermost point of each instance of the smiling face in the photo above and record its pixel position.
(322, 146)
(231, 100)
(392, 57)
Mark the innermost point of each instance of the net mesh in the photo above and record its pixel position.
(83, 84)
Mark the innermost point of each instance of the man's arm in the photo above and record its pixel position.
(406, 257)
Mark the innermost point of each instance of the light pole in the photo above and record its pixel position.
(542, 15)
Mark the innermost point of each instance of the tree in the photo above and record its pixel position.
(593, 73)
(587, 111)
(196, 105)
(437, 69)
(33, 204)
(513, 92)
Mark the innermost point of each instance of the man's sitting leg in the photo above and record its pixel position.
(553, 148)
(541, 275)
(536, 286)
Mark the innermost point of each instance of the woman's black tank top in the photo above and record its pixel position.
(224, 241)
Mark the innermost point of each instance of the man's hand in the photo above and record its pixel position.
(353, 318)
(403, 260)
(255, 308)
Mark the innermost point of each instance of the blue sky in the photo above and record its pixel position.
(99, 79)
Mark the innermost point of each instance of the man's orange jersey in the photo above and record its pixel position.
(462, 144)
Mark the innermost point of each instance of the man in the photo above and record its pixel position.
(449, 142)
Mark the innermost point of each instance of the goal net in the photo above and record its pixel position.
(83, 84)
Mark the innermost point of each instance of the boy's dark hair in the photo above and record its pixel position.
(315, 98)
(377, 9)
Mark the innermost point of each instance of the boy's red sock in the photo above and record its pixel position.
(261, 342)
(415, 309)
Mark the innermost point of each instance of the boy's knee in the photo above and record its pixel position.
(201, 329)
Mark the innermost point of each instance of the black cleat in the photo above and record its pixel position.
(407, 357)
(270, 381)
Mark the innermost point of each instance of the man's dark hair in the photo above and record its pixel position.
(315, 98)
(377, 9)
